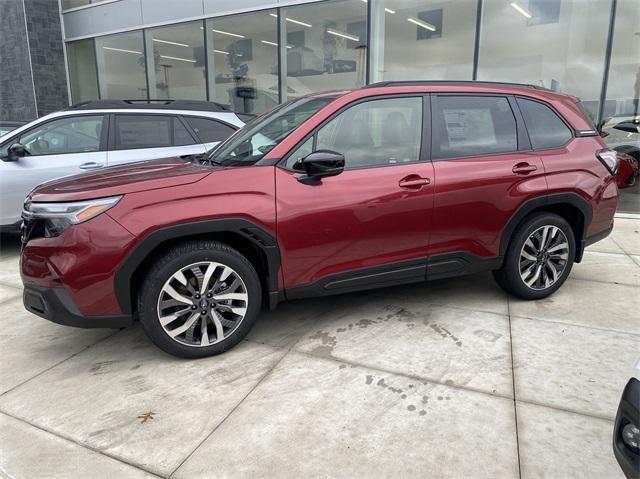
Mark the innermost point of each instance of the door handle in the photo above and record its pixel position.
(524, 168)
(90, 165)
(413, 182)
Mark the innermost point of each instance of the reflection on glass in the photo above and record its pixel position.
(326, 46)
(243, 58)
(556, 44)
(83, 77)
(622, 105)
(422, 39)
(67, 4)
(121, 66)
(176, 70)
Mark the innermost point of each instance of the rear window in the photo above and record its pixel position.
(546, 129)
(209, 130)
(469, 125)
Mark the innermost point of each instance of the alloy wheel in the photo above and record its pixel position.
(543, 257)
(202, 304)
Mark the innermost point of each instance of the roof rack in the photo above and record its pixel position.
(196, 105)
(454, 82)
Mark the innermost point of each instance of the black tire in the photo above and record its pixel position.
(174, 260)
(509, 277)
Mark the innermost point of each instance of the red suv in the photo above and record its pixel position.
(329, 193)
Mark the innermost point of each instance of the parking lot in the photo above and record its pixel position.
(446, 379)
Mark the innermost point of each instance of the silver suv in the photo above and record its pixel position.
(96, 134)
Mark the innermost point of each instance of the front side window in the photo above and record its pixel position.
(142, 131)
(546, 129)
(373, 133)
(63, 136)
(265, 132)
(473, 126)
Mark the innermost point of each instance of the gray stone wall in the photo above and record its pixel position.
(17, 100)
(47, 56)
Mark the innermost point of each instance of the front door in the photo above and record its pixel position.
(369, 225)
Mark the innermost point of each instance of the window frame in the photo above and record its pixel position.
(195, 135)
(425, 136)
(102, 147)
(572, 131)
(171, 116)
(522, 134)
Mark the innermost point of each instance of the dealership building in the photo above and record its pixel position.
(254, 54)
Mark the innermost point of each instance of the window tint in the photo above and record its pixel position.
(373, 133)
(180, 134)
(472, 126)
(546, 129)
(209, 130)
(67, 135)
(142, 131)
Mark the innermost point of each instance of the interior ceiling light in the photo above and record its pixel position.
(343, 35)
(273, 43)
(121, 50)
(221, 52)
(520, 10)
(170, 43)
(227, 33)
(422, 24)
(297, 22)
(167, 57)
(388, 10)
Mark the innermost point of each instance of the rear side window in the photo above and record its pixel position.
(142, 131)
(546, 129)
(208, 130)
(472, 126)
(181, 136)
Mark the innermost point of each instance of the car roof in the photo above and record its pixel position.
(194, 105)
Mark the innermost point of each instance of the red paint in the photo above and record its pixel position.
(359, 218)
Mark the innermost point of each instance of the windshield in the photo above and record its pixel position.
(262, 134)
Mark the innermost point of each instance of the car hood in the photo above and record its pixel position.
(119, 180)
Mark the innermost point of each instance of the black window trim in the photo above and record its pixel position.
(112, 129)
(522, 135)
(425, 137)
(572, 131)
(103, 134)
(195, 135)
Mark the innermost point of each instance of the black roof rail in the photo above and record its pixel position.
(196, 105)
(453, 82)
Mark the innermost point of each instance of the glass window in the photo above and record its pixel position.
(422, 39)
(558, 44)
(176, 70)
(83, 77)
(121, 66)
(372, 133)
(622, 103)
(210, 130)
(326, 46)
(67, 4)
(243, 61)
(546, 129)
(142, 131)
(181, 136)
(472, 126)
(66, 135)
(264, 133)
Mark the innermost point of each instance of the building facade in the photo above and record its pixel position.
(254, 54)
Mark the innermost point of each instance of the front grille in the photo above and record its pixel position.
(31, 228)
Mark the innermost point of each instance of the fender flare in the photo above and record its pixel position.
(256, 234)
(532, 204)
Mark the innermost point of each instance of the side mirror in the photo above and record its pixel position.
(321, 164)
(15, 152)
(628, 126)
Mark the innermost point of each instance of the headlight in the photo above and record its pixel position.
(59, 216)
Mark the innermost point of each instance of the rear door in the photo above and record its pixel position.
(138, 137)
(484, 170)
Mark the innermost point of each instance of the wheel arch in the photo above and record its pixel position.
(250, 239)
(570, 206)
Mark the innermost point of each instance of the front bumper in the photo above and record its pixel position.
(56, 305)
(628, 411)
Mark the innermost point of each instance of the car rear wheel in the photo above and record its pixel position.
(199, 299)
(539, 257)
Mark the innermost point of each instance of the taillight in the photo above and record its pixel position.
(609, 158)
